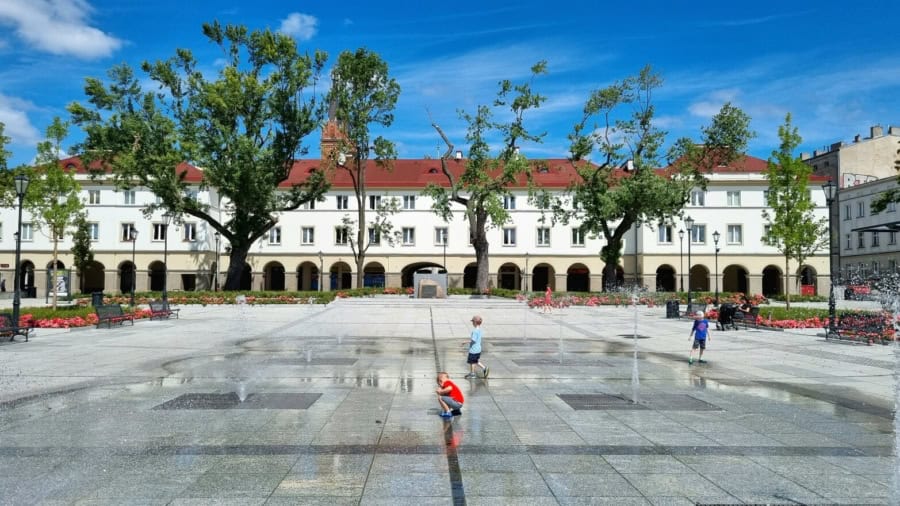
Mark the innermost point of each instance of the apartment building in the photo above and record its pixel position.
(309, 248)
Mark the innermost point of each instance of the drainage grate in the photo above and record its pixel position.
(659, 402)
(232, 401)
(313, 361)
(594, 402)
(566, 362)
(632, 336)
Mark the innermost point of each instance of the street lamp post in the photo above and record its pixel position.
(133, 234)
(216, 278)
(689, 225)
(681, 258)
(830, 193)
(167, 219)
(21, 183)
(321, 274)
(444, 242)
(716, 236)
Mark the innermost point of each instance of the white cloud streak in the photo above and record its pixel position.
(13, 114)
(301, 26)
(58, 27)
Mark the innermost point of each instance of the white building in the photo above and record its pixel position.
(524, 253)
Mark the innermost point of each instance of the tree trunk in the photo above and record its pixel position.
(54, 272)
(361, 245)
(610, 256)
(787, 283)
(482, 262)
(236, 261)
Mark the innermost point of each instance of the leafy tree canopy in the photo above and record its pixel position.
(244, 128)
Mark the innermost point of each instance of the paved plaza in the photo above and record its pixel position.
(315, 404)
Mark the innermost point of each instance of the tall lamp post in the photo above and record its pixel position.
(21, 182)
(167, 219)
(134, 235)
(681, 258)
(216, 278)
(830, 193)
(444, 242)
(321, 274)
(689, 225)
(716, 236)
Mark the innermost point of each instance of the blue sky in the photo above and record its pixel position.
(834, 65)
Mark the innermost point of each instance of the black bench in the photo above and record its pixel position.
(746, 319)
(160, 309)
(7, 328)
(865, 327)
(112, 313)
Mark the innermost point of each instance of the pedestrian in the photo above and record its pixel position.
(699, 334)
(475, 350)
(548, 300)
(449, 396)
(2, 285)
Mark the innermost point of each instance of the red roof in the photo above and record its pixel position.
(417, 173)
(193, 174)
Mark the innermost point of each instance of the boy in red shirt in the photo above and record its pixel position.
(449, 396)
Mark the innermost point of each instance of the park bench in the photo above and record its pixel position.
(865, 327)
(7, 328)
(112, 313)
(159, 309)
(747, 319)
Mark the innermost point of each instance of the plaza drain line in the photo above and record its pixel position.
(457, 491)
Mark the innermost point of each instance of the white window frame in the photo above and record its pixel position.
(307, 235)
(892, 238)
(309, 206)
(130, 197)
(733, 198)
(342, 202)
(577, 237)
(94, 231)
(860, 240)
(274, 236)
(27, 232)
(374, 202)
(847, 212)
(734, 234)
(409, 236)
(664, 234)
(860, 209)
(409, 202)
(341, 236)
(189, 232)
(159, 232)
(93, 197)
(441, 236)
(698, 198)
(892, 207)
(126, 229)
(509, 202)
(374, 239)
(543, 237)
(509, 236)
(876, 240)
(849, 244)
(698, 233)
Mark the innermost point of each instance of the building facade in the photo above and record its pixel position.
(309, 249)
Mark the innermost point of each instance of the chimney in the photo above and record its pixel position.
(856, 138)
(877, 131)
(892, 130)
(804, 156)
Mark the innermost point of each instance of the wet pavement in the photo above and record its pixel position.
(335, 405)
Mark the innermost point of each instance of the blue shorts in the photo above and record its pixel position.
(473, 358)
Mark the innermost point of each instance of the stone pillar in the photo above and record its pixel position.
(596, 282)
(393, 279)
(561, 282)
(649, 280)
(754, 284)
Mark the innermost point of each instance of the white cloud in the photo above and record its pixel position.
(17, 125)
(713, 104)
(57, 27)
(301, 26)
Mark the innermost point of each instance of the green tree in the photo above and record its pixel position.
(487, 178)
(623, 189)
(244, 128)
(362, 94)
(52, 197)
(792, 225)
(81, 248)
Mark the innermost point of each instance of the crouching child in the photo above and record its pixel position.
(449, 396)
